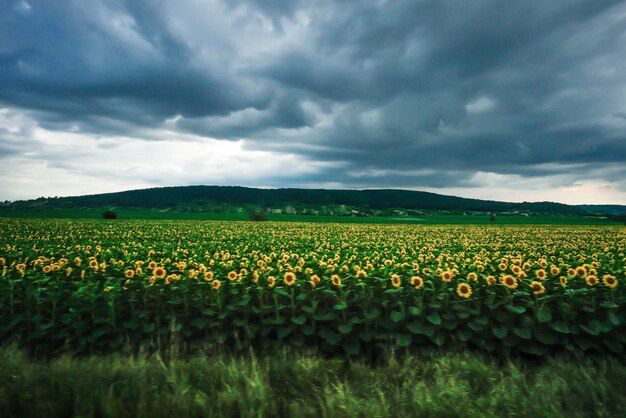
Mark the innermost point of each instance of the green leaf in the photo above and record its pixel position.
(500, 332)
(328, 316)
(593, 327)
(559, 326)
(299, 320)
(522, 333)
(404, 340)
(245, 299)
(516, 309)
(284, 331)
(308, 309)
(281, 291)
(545, 336)
(415, 327)
(434, 318)
(372, 314)
(340, 306)
(397, 316)
(240, 322)
(414, 310)
(345, 328)
(544, 314)
(331, 337)
(614, 318)
(439, 339)
(464, 335)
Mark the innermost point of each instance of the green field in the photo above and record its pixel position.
(438, 219)
(140, 317)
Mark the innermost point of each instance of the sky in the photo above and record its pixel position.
(504, 100)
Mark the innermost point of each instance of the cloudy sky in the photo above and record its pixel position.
(508, 100)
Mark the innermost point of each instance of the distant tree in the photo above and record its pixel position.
(492, 217)
(109, 215)
(258, 216)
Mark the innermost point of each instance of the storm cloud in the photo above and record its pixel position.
(512, 100)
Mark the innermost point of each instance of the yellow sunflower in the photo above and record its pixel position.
(395, 280)
(417, 282)
(609, 281)
(464, 290)
(509, 281)
(537, 288)
(289, 278)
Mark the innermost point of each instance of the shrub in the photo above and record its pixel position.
(257, 216)
(109, 215)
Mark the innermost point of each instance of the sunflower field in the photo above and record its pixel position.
(339, 289)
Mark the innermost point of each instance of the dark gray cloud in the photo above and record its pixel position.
(384, 93)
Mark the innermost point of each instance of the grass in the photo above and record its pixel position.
(453, 385)
(422, 219)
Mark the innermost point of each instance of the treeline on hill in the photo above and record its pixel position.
(173, 197)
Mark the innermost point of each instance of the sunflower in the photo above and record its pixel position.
(216, 284)
(609, 281)
(540, 274)
(129, 274)
(563, 281)
(208, 276)
(417, 282)
(336, 280)
(93, 264)
(472, 276)
(395, 280)
(152, 265)
(509, 281)
(232, 275)
(581, 271)
(446, 276)
(464, 290)
(537, 288)
(502, 266)
(554, 270)
(314, 280)
(289, 278)
(516, 270)
(2, 261)
(159, 272)
(47, 269)
(361, 274)
(571, 272)
(490, 280)
(271, 281)
(591, 280)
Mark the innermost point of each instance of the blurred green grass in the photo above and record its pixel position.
(447, 385)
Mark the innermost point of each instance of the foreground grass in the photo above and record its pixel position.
(447, 385)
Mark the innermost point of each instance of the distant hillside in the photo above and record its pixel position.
(311, 201)
(604, 209)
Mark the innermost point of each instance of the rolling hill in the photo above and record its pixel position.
(312, 201)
